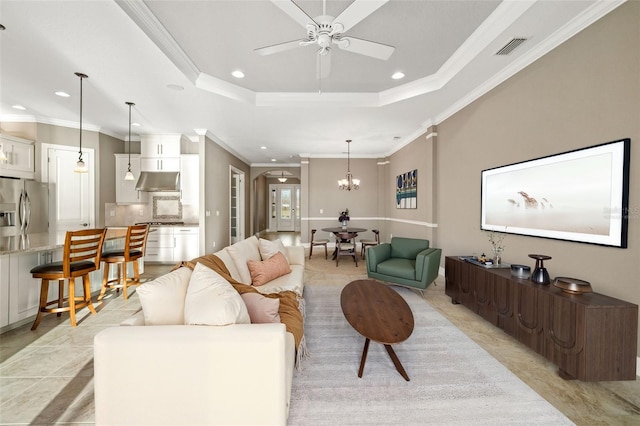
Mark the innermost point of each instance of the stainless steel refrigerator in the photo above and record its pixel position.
(24, 207)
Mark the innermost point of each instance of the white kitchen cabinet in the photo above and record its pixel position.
(126, 192)
(20, 155)
(160, 145)
(24, 290)
(160, 164)
(4, 290)
(190, 179)
(160, 244)
(160, 153)
(187, 243)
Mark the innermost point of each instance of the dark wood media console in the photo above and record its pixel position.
(590, 336)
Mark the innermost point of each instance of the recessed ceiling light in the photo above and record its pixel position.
(20, 107)
(263, 147)
(273, 160)
(62, 94)
(397, 75)
(135, 124)
(175, 87)
(396, 137)
(238, 74)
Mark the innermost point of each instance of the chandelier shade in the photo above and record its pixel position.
(349, 182)
(282, 179)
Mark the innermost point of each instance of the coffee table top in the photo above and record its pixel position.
(376, 311)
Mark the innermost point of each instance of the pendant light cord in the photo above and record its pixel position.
(82, 76)
(129, 164)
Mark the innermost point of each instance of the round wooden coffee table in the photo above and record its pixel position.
(379, 314)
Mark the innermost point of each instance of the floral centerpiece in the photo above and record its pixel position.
(496, 239)
(344, 218)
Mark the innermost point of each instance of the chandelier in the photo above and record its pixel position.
(349, 182)
(282, 179)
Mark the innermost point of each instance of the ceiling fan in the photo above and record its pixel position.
(326, 31)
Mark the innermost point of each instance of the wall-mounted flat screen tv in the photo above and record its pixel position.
(580, 195)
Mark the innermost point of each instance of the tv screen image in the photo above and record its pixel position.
(579, 195)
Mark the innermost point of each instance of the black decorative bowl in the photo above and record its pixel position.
(520, 271)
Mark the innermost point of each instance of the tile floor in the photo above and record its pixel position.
(46, 376)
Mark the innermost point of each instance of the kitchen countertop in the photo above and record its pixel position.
(46, 241)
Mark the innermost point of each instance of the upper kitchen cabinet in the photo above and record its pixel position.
(189, 179)
(160, 153)
(20, 153)
(126, 192)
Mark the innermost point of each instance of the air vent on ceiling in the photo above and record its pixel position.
(511, 45)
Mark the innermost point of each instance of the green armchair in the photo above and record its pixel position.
(405, 261)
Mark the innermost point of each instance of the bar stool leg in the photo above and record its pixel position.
(44, 291)
(119, 280)
(72, 302)
(87, 293)
(124, 279)
(105, 279)
(60, 296)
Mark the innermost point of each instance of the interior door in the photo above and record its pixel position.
(71, 195)
(236, 205)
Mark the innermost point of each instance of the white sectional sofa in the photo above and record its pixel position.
(235, 374)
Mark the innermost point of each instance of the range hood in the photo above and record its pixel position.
(158, 181)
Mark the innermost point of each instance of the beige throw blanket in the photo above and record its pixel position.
(291, 306)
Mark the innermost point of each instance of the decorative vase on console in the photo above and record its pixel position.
(496, 238)
(344, 218)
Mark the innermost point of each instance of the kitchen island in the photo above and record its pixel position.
(19, 291)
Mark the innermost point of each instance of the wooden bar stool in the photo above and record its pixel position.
(368, 243)
(314, 242)
(81, 256)
(134, 248)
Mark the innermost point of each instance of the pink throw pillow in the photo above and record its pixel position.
(267, 270)
(261, 309)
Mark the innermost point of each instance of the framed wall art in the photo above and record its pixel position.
(580, 195)
(407, 190)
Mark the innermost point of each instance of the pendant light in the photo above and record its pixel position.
(81, 167)
(282, 179)
(349, 182)
(129, 174)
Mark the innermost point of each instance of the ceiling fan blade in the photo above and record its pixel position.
(366, 47)
(357, 11)
(323, 66)
(277, 48)
(294, 11)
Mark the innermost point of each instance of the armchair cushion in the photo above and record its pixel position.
(407, 248)
(397, 267)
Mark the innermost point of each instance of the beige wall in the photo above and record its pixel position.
(319, 182)
(585, 92)
(214, 187)
(420, 222)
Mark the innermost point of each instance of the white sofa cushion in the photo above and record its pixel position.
(211, 300)
(162, 299)
(241, 252)
(268, 248)
(229, 263)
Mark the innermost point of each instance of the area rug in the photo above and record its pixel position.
(453, 380)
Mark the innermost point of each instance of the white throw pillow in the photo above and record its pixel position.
(163, 299)
(268, 248)
(211, 300)
(241, 252)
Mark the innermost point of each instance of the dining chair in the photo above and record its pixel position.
(81, 256)
(346, 246)
(314, 242)
(134, 248)
(368, 243)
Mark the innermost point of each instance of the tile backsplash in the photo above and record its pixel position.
(125, 215)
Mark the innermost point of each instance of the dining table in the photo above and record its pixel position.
(336, 230)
